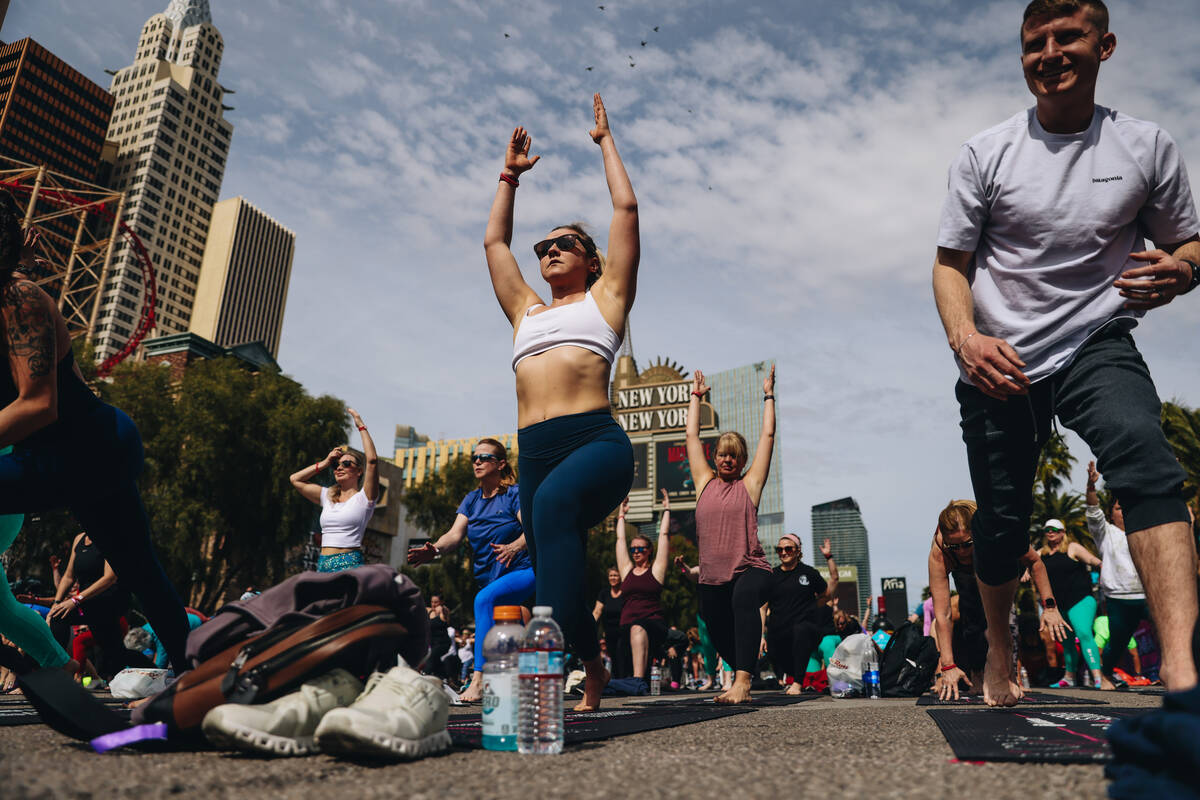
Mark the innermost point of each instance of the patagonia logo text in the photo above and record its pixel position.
(1108, 179)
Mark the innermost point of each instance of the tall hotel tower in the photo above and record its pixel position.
(172, 142)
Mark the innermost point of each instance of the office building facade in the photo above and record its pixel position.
(841, 522)
(50, 114)
(172, 142)
(242, 291)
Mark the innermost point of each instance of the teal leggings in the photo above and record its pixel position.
(20, 623)
(825, 649)
(1082, 617)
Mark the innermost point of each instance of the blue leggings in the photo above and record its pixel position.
(58, 468)
(575, 470)
(20, 623)
(508, 590)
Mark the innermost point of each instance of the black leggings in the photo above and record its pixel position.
(731, 612)
(91, 467)
(103, 617)
(790, 645)
(575, 470)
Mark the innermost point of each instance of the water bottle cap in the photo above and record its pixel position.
(506, 614)
(542, 611)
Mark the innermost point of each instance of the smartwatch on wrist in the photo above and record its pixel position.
(1195, 274)
(1049, 603)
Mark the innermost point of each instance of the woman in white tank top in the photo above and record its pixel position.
(345, 507)
(575, 462)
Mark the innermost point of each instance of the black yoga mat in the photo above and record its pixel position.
(1030, 699)
(22, 714)
(1069, 735)
(591, 726)
(765, 699)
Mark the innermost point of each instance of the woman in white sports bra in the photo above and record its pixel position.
(347, 506)
(575, 462)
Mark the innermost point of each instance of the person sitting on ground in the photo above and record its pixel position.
(952, 553)
(347, 506)
(642, 619)
(734, 573)
(1067, 563)
(489, 521)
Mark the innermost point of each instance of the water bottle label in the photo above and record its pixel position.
(540, 662)
(500, 704)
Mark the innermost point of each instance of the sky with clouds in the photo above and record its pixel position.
(789, 161)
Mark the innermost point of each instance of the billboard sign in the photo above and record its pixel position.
(671, 470)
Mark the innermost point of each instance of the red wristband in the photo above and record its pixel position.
(509, 180)
(952, 666)
(699, 394)
(362, 427)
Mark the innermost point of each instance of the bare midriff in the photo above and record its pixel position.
(564, 380)
(333, 551)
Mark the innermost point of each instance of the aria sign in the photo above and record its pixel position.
(658, 407)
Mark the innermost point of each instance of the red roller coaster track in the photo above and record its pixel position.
(146, 318)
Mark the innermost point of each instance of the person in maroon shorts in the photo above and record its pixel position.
(642, 618)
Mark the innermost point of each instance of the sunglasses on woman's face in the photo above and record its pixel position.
(347, 465)
(967, 543)
(480, 458)
(564, 243)
(784, 550)
(638, 549)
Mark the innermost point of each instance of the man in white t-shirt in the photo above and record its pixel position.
(1041, 272)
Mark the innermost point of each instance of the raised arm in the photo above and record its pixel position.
(992, 364)
(756, 476)
(1080, 553)
(448, 541)
(701, 471)
(618, 284)
(1097, 525)
(827, 551)
(662, 555)
(691, 573)
(624, 565)
(371, 472)
(510, 287)
(302, 479)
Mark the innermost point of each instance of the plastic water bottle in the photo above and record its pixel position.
(1024, 678)
(871, 674)
(540, 711)
(501, 649)
(655, 680)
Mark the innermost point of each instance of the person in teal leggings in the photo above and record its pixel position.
(1067, 564)
(20, 623)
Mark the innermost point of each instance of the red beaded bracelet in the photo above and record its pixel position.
(952, 666)
(362, 427)
(511, 181)
(699, 394)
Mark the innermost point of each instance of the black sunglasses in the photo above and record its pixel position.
(782, 550)
(347, 465)
(565, 244)
(479, 458)
(638, 549)
(960, 545)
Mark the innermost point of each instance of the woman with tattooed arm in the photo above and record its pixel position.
(69, 449)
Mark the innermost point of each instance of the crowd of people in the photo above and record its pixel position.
(1041, 273)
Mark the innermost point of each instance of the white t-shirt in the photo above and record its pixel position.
(1118, 576)
(343, 524)
(1052, 219)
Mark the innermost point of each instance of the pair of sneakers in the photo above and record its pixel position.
(399, 714)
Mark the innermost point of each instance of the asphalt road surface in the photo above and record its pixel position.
(842, 749)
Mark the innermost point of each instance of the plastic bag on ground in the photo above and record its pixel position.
(133, 684)
(845, 666)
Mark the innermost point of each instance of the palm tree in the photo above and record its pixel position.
(1054, 464)
(1182, 427)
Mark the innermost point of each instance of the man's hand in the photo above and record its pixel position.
(1168, 278)
(993, 366)
(1093, 475)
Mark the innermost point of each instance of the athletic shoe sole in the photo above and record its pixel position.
(239, 737)
(336, 741)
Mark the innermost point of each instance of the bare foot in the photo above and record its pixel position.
(794, 689)
(999, 689)
(738, 693)
(593, 687)
(473, 693)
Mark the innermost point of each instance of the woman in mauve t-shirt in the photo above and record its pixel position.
(642, 582)
(734, 573)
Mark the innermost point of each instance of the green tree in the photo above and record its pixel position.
(219, 447)
(432, 506)
(1054, 465)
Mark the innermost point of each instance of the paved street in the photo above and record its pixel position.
(820, 748)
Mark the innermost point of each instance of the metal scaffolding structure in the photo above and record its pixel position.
(80, 225)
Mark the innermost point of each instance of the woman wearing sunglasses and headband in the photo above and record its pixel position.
(576, 463)
(1068, 563)
(489, 519)
(347, 506)
(969, 640)
(642, 620)
(734, 574)
(795, 599)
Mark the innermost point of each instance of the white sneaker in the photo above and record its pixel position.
(284, 726)
(401, 714)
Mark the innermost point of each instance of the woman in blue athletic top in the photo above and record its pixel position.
(70, 450)
(489, 518)
(576, 462)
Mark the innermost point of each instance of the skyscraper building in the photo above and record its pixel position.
(840, 521)
(172, 143)
(244, 278)
(50, 114)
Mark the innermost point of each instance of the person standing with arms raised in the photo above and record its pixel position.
(575, 461)
(735, 577)
(1041, 272)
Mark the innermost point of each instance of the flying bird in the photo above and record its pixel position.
(589, 69)
(643, 42)
(656, 29)
(600, 7)
(506, 36)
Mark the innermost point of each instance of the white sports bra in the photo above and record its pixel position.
(574, 324)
